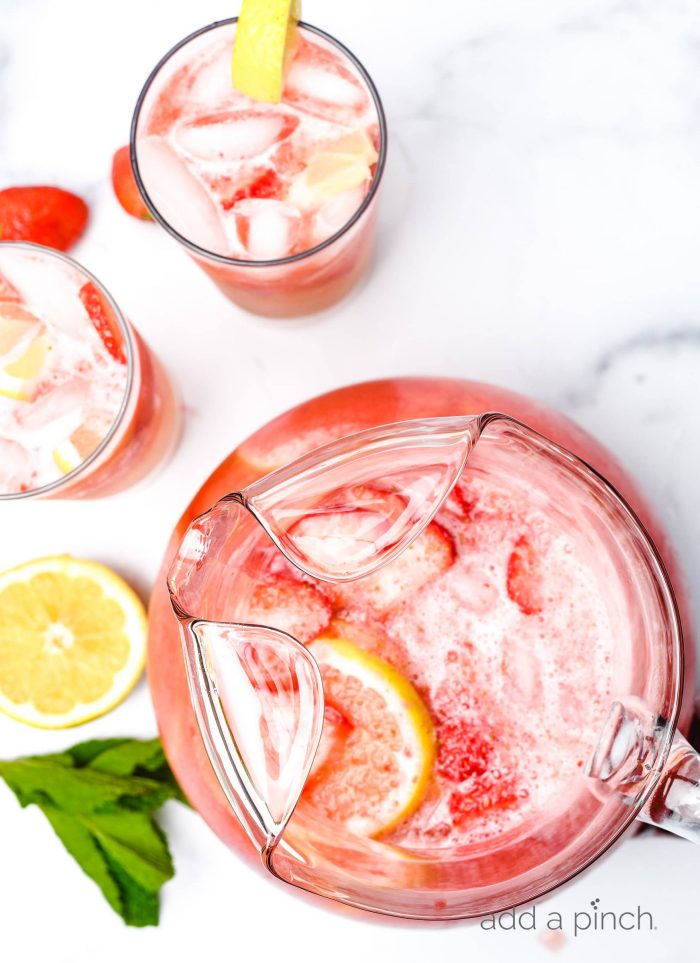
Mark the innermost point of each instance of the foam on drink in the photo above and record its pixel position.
(60, 386)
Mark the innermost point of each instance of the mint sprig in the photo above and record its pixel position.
(99, 797)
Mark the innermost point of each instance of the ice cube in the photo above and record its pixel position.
(179, 196)
(336, 212)
(49, 286)
(234, 135)
(268, 229)
(54, 415)
(319, 83)
(16, 467)
(212, 84)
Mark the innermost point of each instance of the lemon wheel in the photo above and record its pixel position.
(72, 641)
(378, 747)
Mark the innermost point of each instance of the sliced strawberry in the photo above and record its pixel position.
(7, 291)
(524, 578)
(125, 187)
(43, 215)
(492, 789)
(431, 554)
(102, 317)
(460, 502)
(465, 748)
(292, 606)
(261, 184)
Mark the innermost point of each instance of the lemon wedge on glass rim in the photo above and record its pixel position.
(265, 43)
(72, 641)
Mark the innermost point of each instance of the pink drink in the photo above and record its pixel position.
(273, 200)
(503, 618)
(85, 409)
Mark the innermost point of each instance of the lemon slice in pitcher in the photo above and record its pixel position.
(265, 42)
(72, 641)
(377, 751)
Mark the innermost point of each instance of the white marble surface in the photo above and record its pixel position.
(540, 228)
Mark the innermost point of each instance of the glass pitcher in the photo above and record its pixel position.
(258, 693)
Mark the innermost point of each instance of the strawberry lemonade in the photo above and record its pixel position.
(274, 200)
(466, 682)
(85, 409)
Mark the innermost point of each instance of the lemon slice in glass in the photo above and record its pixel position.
(24, 352)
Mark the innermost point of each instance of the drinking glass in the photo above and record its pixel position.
(291, 286)
(146, 425)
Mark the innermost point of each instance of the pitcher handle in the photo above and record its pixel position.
(675, 803)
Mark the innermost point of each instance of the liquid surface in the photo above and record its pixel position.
(500, 617)
(252, 180)
(63, 371)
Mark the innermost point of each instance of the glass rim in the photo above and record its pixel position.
(130, 348)
(290, 258)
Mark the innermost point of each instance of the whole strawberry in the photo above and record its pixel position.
(43, 215)
(125, 187)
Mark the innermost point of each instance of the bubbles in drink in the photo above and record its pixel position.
(205, 151)
(63, 372)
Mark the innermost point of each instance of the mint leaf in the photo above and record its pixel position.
(84, 849)
(127, 757)
(133, 840)
(99, 797)
(139, 906)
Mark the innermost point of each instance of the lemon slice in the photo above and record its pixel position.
(328, 174)
(18, 376)
(72, 641)
(265, 43)
(72, 452)
(378, 747)
(357, 142)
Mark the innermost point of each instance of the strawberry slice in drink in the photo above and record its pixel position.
(524, 578)
(104, 321)
(294, 607)
(260, 183)
(492, 789)
(465, 748)
(431, 554)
